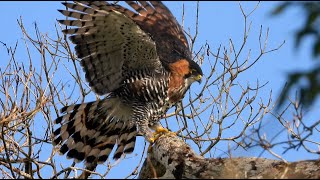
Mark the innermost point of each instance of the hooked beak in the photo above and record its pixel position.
(199, 78)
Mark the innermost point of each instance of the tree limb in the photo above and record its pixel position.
(171, 157)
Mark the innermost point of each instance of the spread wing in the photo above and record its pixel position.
(156, 19)
(113, 41)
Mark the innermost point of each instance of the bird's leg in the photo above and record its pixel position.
(146, 132)
(152, 137)
(159, 129)
(141, 118)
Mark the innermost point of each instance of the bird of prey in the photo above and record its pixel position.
(139, 60)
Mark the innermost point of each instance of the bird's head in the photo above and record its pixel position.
(188, 69)
(194, 74)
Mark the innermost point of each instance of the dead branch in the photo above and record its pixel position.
(182, 162)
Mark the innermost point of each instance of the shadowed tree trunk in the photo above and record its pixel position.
(171, 157)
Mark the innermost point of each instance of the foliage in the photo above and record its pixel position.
(311, 28)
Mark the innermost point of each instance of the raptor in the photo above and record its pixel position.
(139, 60)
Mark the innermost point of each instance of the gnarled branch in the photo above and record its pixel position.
(171, 157)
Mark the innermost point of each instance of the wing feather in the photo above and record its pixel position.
(156, 19)
(122, 40)
(108, 43)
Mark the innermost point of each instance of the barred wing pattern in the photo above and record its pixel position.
(109, 44)
(156, 19)
(116, 45)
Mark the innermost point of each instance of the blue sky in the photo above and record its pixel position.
(218, 22)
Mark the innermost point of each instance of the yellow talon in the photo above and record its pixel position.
(151, 140)
(158, 132)
(162, 130)
(172, 133)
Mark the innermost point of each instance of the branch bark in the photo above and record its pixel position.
(171, 157)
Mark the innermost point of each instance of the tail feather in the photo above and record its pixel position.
(89, 131)
(125, 143)
(131, 141)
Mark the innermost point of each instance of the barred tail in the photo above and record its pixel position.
(89, 131)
